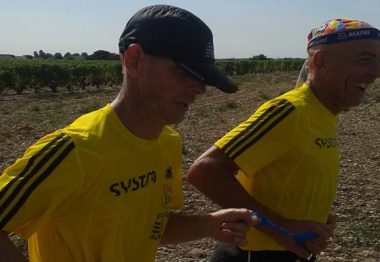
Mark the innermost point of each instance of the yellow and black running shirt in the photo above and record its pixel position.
(288, 159)
(93, 191)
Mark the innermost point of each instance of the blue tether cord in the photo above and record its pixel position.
(300, 237)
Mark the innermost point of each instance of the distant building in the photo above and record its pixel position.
(6, 56)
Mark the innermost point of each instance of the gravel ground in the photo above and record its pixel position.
(357, 237)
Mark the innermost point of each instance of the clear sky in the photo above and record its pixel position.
(241, 28)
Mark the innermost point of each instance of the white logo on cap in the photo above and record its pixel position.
(342, 36)
(359, 33)
(320, 41)
(209, 52)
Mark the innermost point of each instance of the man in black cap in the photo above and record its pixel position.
(102, 188)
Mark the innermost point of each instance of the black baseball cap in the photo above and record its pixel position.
(172, 32)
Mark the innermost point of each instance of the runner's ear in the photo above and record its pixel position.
(132, 59)
(319, 59)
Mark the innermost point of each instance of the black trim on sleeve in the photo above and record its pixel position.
(258, 128)
(58, 151)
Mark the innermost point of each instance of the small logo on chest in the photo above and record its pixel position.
(169, 173)
(325, 142)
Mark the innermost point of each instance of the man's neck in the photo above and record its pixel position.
(134, 119)
(324, 97)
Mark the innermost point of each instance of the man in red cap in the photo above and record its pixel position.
(103, 187)
(283, 161)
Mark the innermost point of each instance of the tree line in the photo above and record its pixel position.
(97, 55)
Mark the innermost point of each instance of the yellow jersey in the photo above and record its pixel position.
(93, 191)
(288, 159)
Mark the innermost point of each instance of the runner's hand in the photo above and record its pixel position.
(231, 225)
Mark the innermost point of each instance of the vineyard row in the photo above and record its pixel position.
(19, 75)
